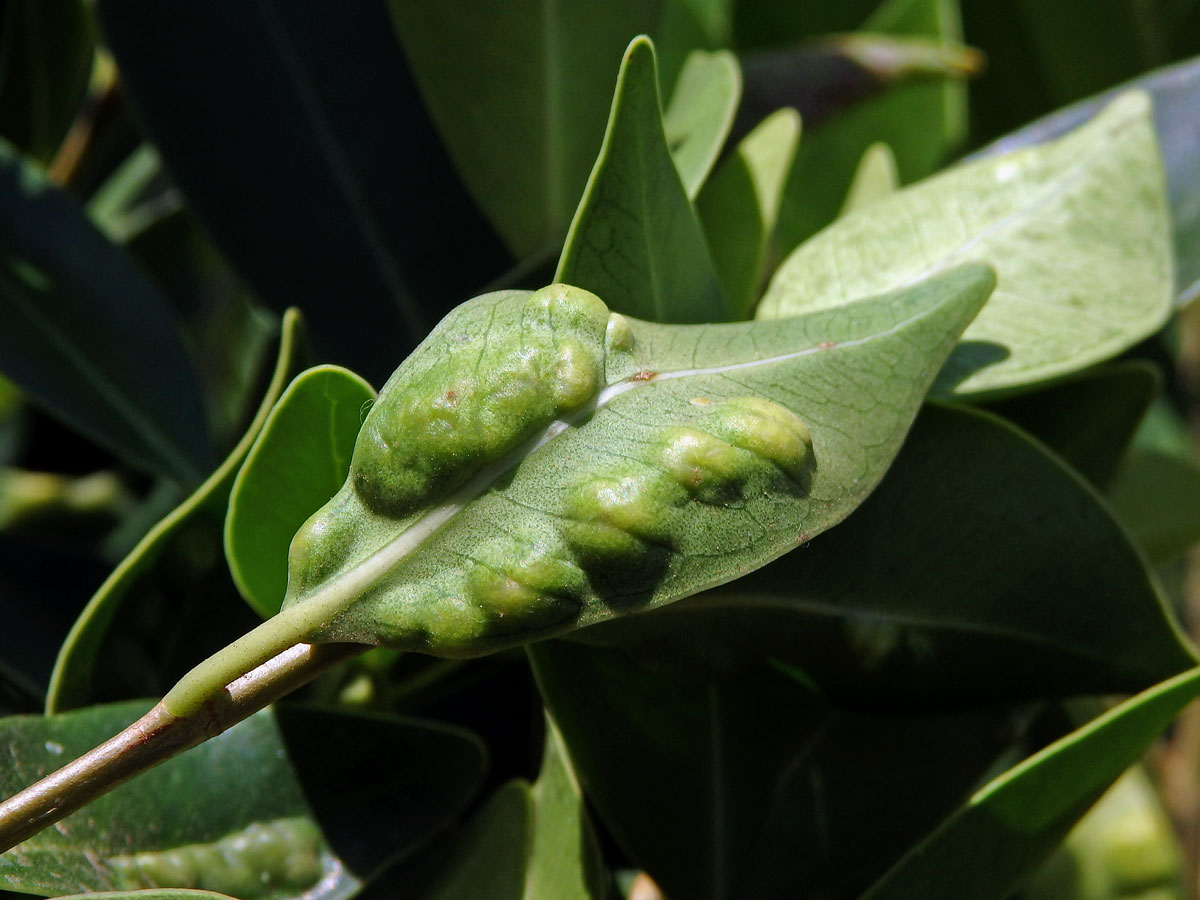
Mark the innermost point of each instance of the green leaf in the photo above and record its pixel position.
(875, 178)
(47, 49)
(700, 114)
(72, 683)
(1077, 229)
(739, 206)
(1176, 94)
(88, 337)
(739, 783)
(116, 207)
(519, 92)
(527, 843)
(1125, 846)
(1042, 596)
(541, 464)
(299, 460)
(276, 807)
(1014, 822)
(1090, 419)
(255, 837)
(1157, 497)
(922, 121)
(328, 189)
(635, 239)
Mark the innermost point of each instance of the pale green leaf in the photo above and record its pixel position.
(1015, 821)
(540, 464)
(875, 178)
(739, 206)
(635, 239)
(700, 113)
(299, 460)
(1077, 230)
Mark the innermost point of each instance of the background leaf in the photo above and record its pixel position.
(88, 337)
(299, 460)
(528, 842)
(742, 784)
(47, 51)
(875, 178)
(700, 113)
(636, 241)
(326, 195)
(74, 682)
(1061, 302)
(1044, 596)
(1176, 95)
(275, 807)
(520, 92)
(1015, 821)
(1090, 419)
(739, 206)
(922, 121)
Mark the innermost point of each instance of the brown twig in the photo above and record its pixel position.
(158, 736)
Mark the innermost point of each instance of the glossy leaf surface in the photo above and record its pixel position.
(72, 683)
(1043, 596)
(739, 207)
(1014, 822)
(307, 155)
(1088, 420)
(254, 837)
(739, 783)
(700, 114)
(636, 240)
(299, 460)
(1176, 94)
(82, 327)
(527, 843)
(1078, 230)
(520, 91)
(540, 545)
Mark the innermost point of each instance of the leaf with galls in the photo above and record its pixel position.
(540, 464)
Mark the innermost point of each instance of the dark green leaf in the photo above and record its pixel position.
(46, 54)
(1176, 95)
(519, 91)
(307, 154)
(1078, 230)
(73, 682)
(636, 241)
(980, 569)
(1156, 495)
(286, 804)
(229, 816)
(1089, 420)
(739, 207)
(527, 843)
(741, 784)
(88, 337)
(700, 113)
(922, 121)
(1014, 822)
(160, 894)
(299, 460)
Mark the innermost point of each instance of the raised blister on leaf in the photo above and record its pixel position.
(467, 400)
(260, 860)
